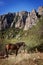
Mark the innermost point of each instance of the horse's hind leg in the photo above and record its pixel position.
(6, 51)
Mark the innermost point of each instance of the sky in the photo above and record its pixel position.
(19, 5)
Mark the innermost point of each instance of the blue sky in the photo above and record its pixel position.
(19, 5)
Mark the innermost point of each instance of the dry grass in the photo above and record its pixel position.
(23, 59)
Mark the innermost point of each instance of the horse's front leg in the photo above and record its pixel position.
(16, 52)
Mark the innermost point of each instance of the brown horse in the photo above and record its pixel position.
(12, 47)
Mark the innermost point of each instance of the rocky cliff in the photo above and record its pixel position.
(20, 20)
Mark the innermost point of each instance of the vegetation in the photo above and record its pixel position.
(32, 37)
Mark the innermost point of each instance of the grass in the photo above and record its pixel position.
(22, 60)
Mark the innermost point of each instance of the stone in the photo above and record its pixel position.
(40, 10)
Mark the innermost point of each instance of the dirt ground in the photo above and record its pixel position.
(23, 59)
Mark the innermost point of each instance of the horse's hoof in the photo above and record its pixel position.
(7, 56)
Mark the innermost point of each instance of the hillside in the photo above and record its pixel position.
(22, 26)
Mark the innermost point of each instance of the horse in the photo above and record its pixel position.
(12, 47)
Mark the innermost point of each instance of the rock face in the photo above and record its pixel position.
(20, 20)
(31, 20)
(6, 20)
(40, 10)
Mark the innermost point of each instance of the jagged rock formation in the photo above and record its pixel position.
(40, 10)
(20, 20)
(31, 20)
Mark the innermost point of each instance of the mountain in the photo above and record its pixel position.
(22, 26)
(20, 20)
